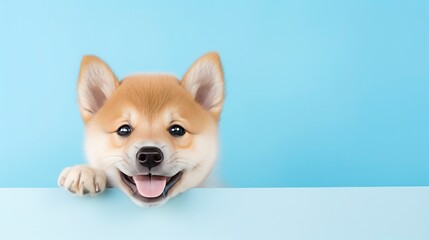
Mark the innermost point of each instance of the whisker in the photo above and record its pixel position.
(171, 157)
(113, 155)
(111, 159)
(185, 163)
(108, 164)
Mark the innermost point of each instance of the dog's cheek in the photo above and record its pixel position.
(183, 142)
(117, 141)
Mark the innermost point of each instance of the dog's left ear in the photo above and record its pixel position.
(204, 80)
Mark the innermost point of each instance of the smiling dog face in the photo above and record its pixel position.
(153, 135)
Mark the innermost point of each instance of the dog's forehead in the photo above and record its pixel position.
(149, 82)
(151, 95)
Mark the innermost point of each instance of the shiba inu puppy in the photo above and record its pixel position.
(152, 136)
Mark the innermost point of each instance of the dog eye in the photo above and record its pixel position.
(124, 130)
(176, 131)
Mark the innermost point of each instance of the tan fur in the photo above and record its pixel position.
(150, 104)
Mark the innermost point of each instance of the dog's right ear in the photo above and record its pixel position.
(96, 84)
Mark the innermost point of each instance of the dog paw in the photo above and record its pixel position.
(82, 180)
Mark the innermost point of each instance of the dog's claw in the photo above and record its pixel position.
(72, 190)
(62, 182)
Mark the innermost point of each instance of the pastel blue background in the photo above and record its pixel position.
(319, 93)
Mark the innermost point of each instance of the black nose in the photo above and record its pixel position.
(150, 156)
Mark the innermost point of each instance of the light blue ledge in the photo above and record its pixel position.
(281, 213)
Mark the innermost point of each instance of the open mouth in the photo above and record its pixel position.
(150, 187)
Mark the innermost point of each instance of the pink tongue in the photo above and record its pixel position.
(150, 186)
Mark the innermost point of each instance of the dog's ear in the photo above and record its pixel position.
(95, 85)
(204, 80)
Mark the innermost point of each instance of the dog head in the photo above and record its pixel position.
(153, 135)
